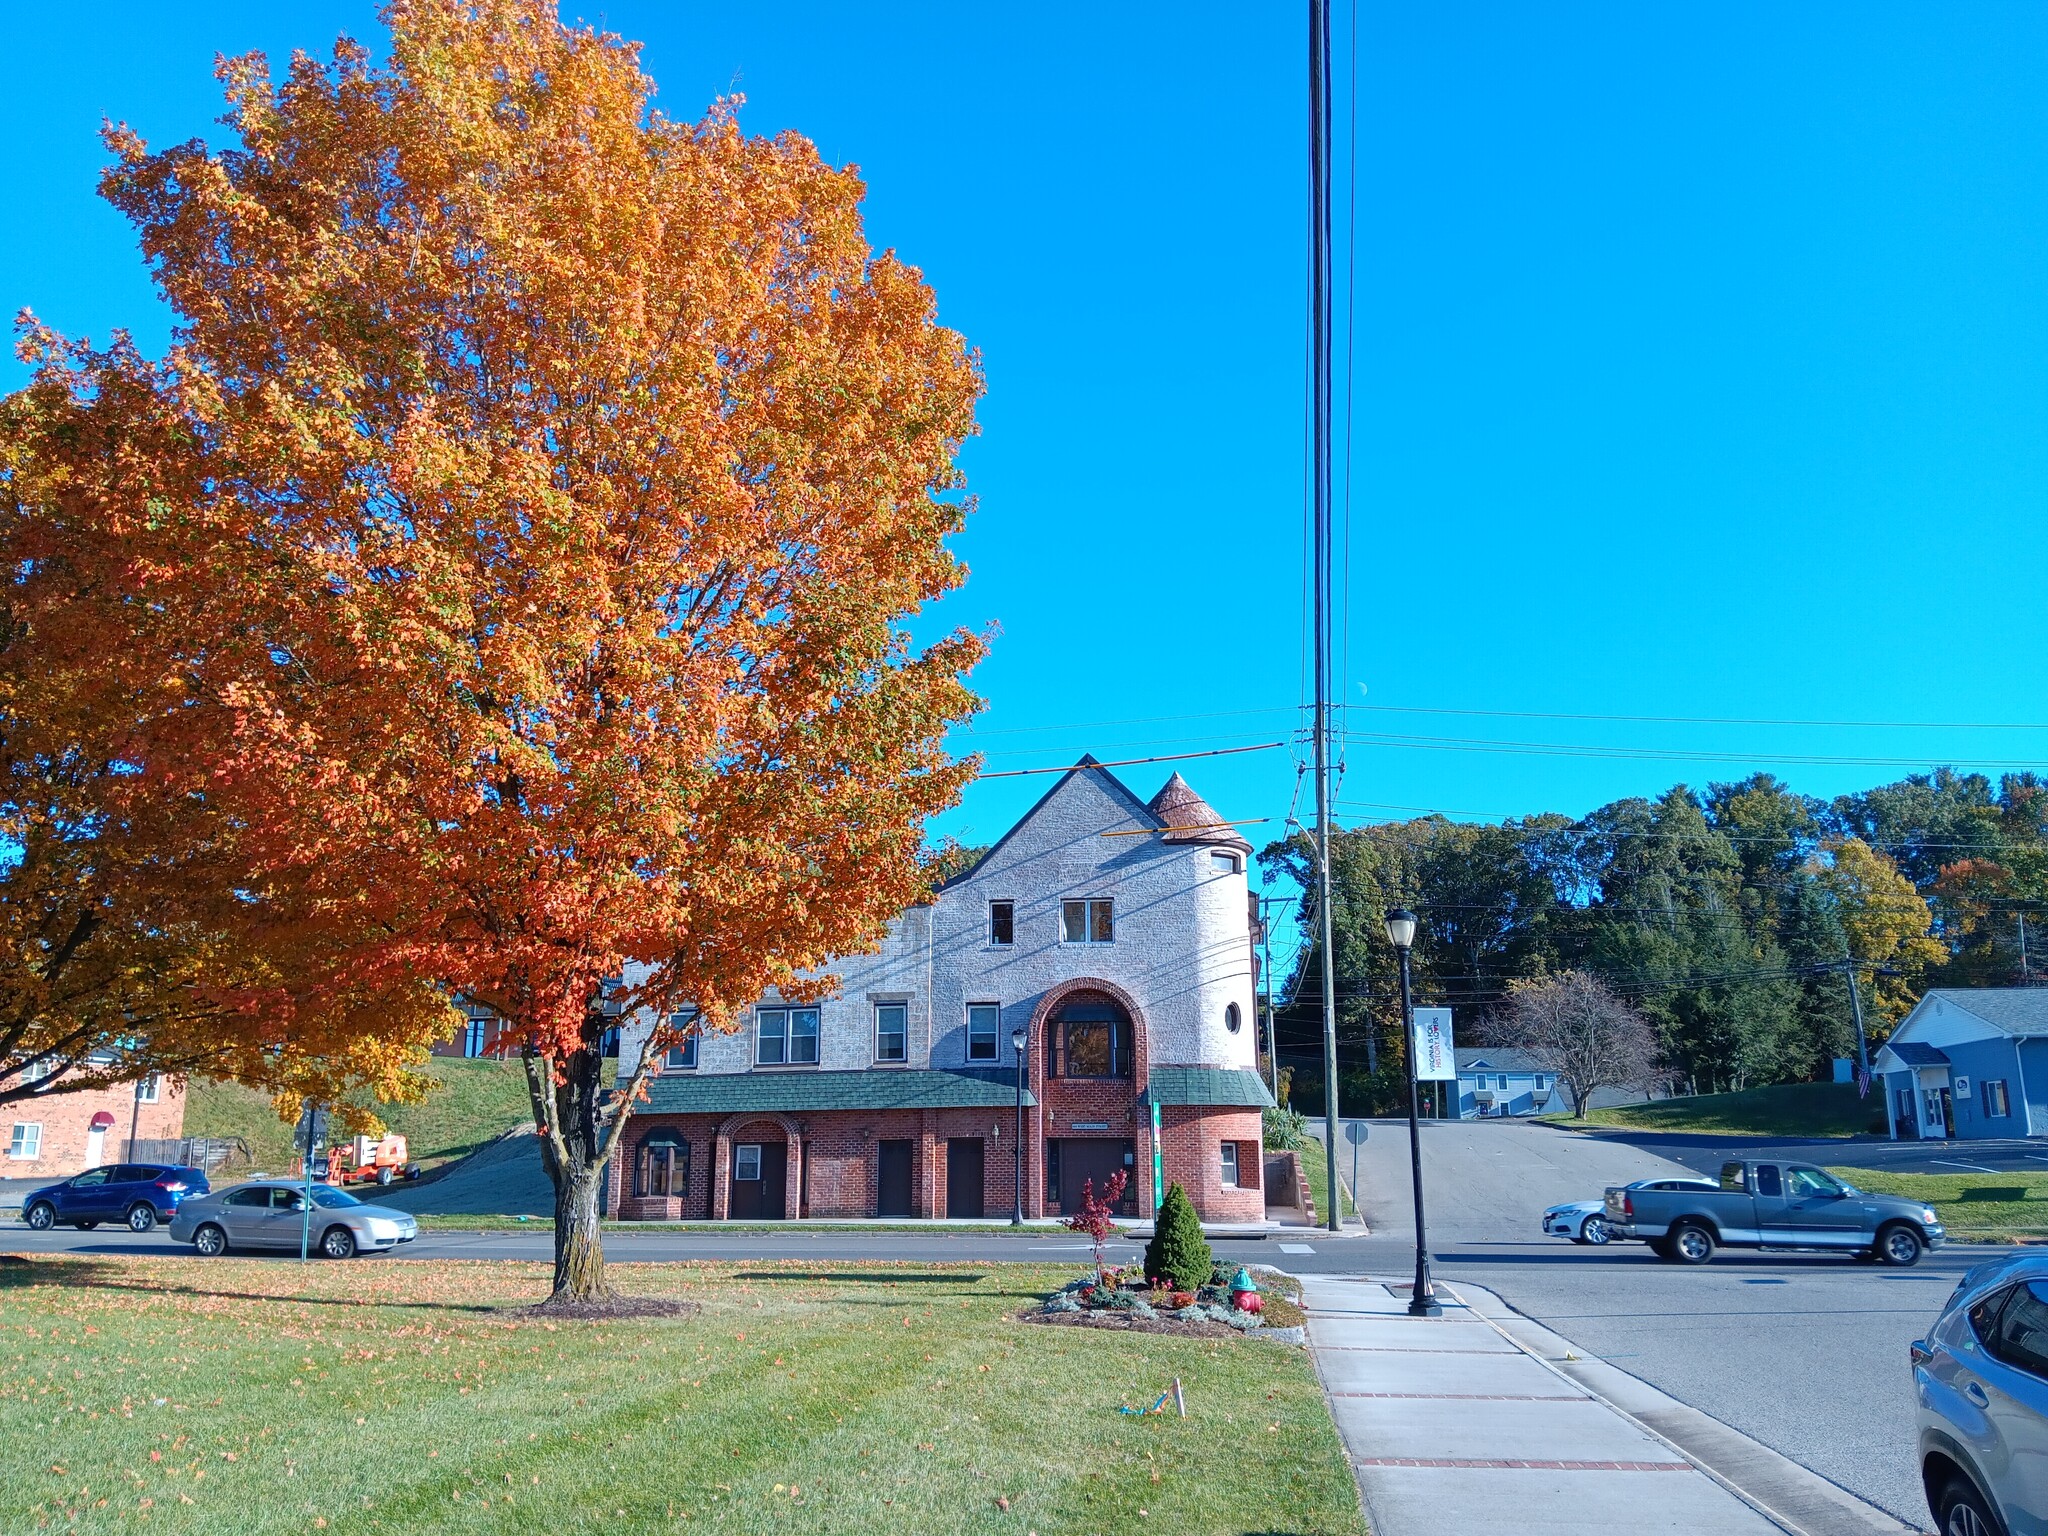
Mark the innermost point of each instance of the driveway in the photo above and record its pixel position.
(1805, 1352)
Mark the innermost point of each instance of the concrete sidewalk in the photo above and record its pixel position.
(1473, 1422)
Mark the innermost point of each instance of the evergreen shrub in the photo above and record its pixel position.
(1178, 1252)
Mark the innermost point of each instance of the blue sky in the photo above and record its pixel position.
(1701, 360)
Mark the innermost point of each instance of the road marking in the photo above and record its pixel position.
(1973, 1167)
(1296, 1248)
(2036, 1157)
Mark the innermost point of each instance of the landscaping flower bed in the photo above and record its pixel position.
(1125, 1299)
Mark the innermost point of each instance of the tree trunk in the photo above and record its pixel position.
(574, 1146)
(579, 1242)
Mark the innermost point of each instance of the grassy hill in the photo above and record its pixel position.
(1783, 1109)
(473, 1102)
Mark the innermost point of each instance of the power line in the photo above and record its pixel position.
(1882, 725)
(1661, 754)
(1127, 762)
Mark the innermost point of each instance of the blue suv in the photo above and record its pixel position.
(1981, 1376)
(138, 1194)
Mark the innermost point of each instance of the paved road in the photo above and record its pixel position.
(1805, 1352)
(1705, 1153)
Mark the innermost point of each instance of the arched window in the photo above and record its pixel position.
(1232, 1019)
(1090, 1036)
(663, 1167)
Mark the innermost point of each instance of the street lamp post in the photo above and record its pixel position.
(1401, 934)
(1018, 1039)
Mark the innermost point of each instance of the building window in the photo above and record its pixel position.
(746, 1163)
(148, 1090)
(788, 1037)
(1087, 922)
(682, 1056)
(1092, 1047)
(1232, 1019)
(982, 1022)
(664, 1166)
(26, 1142)
(1996, 1100)
(1002, 922)
(1230, 1165)
(1224, 863)
(892, 1032)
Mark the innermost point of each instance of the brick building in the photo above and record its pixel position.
(55, 1135)
(1113, 937)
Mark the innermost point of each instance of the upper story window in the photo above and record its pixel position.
(149, 1089)
(892, 1032)
(982, 1022)
(1232, 1019)
(682, 1056)
(1090, 1040)
(1087, 922)
(787, 1037)
(1002, 922)
(1225, 863)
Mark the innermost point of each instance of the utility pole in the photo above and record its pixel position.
(1266, 975)
(2026, 978)
(1862, 1044)
(1319, 350)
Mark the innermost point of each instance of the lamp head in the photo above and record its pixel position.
(1017, 1040)
(1400, 927)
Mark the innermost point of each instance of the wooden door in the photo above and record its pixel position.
(892, 1179)
(963, 1178)
(1087, 1159)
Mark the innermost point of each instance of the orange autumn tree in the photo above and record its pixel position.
(133, 941)
(566, 474)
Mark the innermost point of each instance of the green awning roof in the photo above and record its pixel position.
(727, 1093)
(1230, 1087)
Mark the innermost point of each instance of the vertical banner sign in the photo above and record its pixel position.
(1158, 1162)
(1435, 1061)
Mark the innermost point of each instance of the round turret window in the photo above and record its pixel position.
(1232, 1019)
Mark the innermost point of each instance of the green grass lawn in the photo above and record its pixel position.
(237, 1397)
(1315, 1168)
(1784, 1109)
(1972, 1205)
(472, 1102)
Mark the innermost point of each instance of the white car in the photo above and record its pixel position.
(1585, 1221)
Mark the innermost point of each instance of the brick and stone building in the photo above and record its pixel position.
(1114, 937)
(54, 1135)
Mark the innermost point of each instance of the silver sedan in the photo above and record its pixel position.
(274, 1215)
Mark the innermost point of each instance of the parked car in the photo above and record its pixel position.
(139, 1194)
(272, 1214)
(1981, 1379)
(1774, 1205)
(1585, 1221)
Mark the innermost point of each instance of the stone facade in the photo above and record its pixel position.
(71, 1132)
(1116, 935)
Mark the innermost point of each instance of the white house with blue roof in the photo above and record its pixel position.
(1968, 1064)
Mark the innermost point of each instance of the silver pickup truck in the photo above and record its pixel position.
(1774, 1205)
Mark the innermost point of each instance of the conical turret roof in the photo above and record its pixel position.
(1191, 819)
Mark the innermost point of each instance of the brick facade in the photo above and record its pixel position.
(67, 1145)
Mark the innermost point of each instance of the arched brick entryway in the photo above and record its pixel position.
(1110, 1103)
(729, 1135)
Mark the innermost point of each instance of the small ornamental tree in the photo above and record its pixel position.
(1178, 1252)
(549, 483)
(1096, 1220)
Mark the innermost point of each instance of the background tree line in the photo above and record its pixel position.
(1724, 917)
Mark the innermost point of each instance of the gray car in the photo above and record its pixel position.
(1981, 1377)
(272, 1214)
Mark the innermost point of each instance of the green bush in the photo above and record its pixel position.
(1284, 1130)
(1178, 1252)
